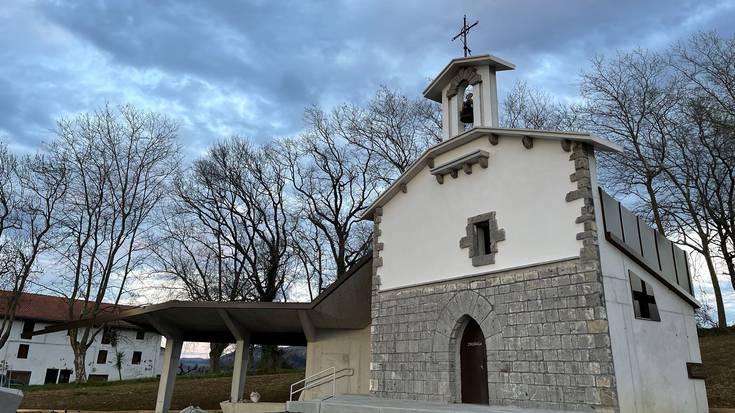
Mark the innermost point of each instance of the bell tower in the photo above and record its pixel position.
(468, 92)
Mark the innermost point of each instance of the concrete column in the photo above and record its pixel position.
(168, 374)
(240, 369)
(455, 126)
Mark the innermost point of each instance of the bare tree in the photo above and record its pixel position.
(312, 258)
(30, 192)
(334, 181)
(672, 114)
(394, 129)
(229, 237)
(705, 61)
(682, 201)
(528, 108)
(631, 100)
(118, 163)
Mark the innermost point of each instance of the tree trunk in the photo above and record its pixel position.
(269, 358)
(721, 317)
(655, 207)
(215, 353)
(80, 368)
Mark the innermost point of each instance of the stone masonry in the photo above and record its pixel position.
(545, 328)
(546, 335)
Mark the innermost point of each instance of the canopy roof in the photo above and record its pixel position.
(344, 305)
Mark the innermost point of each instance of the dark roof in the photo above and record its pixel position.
(52, 309)
(266, 322)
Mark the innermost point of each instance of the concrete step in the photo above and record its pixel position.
(367, 404)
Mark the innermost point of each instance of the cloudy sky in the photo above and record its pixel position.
(250, 67)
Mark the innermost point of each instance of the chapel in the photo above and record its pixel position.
(501, 274)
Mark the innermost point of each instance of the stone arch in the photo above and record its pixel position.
(449, 328)
(465, 76)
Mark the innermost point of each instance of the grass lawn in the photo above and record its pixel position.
(203, 391)
(718, 357)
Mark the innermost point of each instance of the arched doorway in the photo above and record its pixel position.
(473, 365)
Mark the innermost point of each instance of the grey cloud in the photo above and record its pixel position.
(275, 58)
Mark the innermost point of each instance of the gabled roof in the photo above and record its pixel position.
(434, 90)
(51, 309)
(477, 133)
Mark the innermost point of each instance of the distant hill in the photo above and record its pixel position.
(295, 356)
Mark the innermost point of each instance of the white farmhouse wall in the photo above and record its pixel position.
(52, 351)
(649, 357)
(421, 229)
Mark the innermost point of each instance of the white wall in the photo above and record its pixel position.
(53, 351)
(421, 229)
(649, 357)
(341, 349)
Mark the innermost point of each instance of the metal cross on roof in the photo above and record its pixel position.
(463, 33)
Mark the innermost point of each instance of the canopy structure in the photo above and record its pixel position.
(343, 305)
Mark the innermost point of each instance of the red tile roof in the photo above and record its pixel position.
(50, 308)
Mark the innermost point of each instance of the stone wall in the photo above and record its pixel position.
(545, 329)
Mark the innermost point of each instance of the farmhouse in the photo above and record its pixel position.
(501, 274)
(45, 359)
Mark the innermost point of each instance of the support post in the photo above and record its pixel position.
(240, 369)
(170, 367)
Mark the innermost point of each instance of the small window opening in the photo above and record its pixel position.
(23, 351)
(107, 335)
(482, 240)
(27, 332)
(137, 355)
(102, 357)
(140, 335)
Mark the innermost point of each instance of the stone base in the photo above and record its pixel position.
(10, 400)
(367, 404)
(260, 407)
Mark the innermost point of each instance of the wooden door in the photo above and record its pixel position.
(473, 365)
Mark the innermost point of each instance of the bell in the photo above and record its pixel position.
(466, 114)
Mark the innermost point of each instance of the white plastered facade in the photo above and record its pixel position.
(53, 351)
(419, 248)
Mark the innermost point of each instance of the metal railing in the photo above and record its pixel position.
(317, 379)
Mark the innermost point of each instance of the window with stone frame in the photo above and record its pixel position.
(644, 302)
(482, 237)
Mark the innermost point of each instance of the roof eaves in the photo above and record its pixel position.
(476, 133)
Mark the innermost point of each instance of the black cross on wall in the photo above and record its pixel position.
(644, 303)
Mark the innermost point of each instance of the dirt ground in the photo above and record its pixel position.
(205, 392)
(718, 357)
